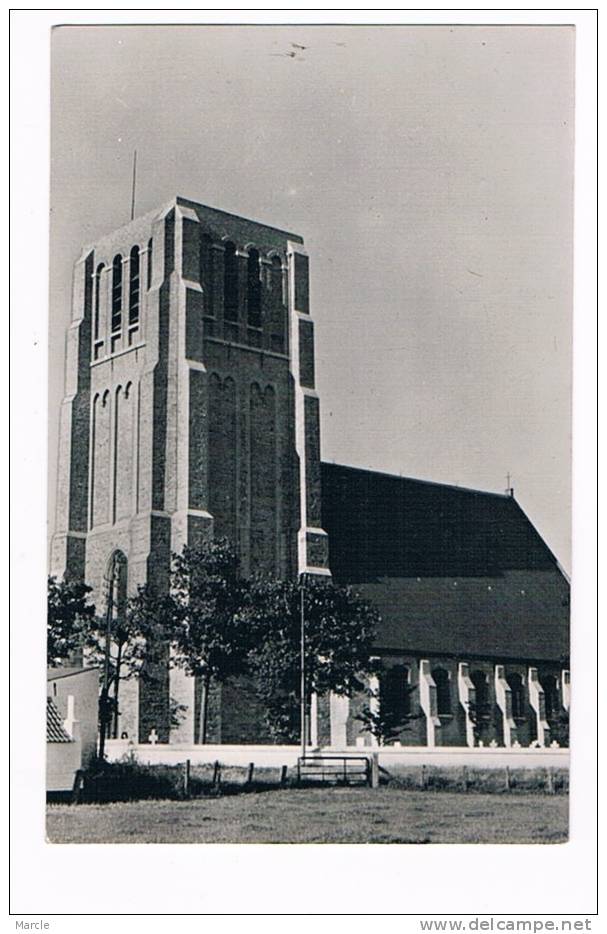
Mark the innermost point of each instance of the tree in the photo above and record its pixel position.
(339, 632)
(558, 722)
(480, 716)
(211, 637)
(137, 631)
(390, 715)
(68, 615)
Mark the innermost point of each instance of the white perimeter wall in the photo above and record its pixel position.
(389, 756)
(62, 762)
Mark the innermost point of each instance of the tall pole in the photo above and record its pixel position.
(302, 672)
(104, 700)
(133, 185)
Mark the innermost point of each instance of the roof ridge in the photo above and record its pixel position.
(394, 476)
(181, 199)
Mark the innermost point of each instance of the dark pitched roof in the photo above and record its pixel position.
(451, 570)
(55, 731)
(518, 615)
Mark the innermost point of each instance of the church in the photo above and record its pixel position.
(190, 410)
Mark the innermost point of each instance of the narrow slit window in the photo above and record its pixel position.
(134, 292)
(117, 295)
(149, 263)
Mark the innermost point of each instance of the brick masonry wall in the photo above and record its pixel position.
(253, 485)
(242, 714)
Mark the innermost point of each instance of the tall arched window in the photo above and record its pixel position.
(394, 691)
(150, 267)
(97, 318)
(253, 290)
(279, 316)
(480, 711)
(117, 294)
(549, 684)
(206, 272)
(134, 287)
(481, 689)
(443, 691)
(230, 283)
(517, 695)
(276, 280)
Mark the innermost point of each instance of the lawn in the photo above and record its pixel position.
(319, 815)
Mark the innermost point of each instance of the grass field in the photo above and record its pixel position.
(319, 815)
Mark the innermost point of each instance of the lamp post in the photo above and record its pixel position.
(302, 667)
(104, 699)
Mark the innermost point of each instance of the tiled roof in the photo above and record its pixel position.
(450, 570)
(517, 615)
(55, 731)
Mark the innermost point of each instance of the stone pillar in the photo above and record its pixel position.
(427, 699)
(181, 691)
(537, 701)
(503, 699)
(313, 550)
(71, 522)
(565, 689)
(467, 696)
(128, 703)
(71, 725)
(191, 519)
(339, 708)
(314, 719)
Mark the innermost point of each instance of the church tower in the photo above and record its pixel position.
(190, 411)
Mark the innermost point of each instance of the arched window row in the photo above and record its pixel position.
(253, 282)
(256, 391)
(117, 291)
(104, 396)
(266, 257)
(247, 274)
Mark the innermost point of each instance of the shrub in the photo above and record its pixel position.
(129, 780)
(487, 781)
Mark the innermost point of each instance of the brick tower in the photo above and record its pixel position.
(190, 410)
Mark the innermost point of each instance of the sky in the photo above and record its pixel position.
(430, 172)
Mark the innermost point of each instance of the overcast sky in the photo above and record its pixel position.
(430, 171)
